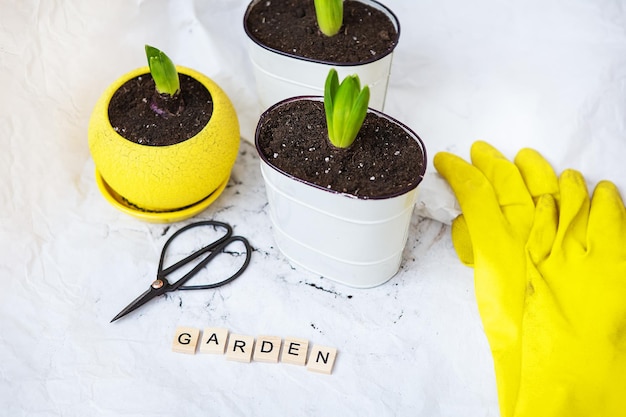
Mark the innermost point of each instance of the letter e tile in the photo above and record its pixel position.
(267, 349)
(186, 340)
(240, 348)
(322, 359)
(294, 351)
(214, 340)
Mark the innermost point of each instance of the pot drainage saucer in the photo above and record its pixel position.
(171, 216)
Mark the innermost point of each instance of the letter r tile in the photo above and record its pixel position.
(322, 359)
(294, 351)
(186, 340)
(240, 348)
(214, 340)
(267, 349)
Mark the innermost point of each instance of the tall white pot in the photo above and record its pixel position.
(280, 75)
(354, 241)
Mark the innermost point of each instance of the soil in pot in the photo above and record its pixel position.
(131, 116)
(383, 161)
(290, 26)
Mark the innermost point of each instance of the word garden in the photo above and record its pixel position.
(243, 348)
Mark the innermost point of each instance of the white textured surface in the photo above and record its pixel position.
(545, 74)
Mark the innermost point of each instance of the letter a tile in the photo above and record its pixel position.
(185, 340)
(240, 348)
(214, 340)
(322, 359)
(267, 349)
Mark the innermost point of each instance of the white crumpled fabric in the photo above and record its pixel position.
(543, 74)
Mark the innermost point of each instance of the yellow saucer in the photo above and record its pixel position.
(171, 216)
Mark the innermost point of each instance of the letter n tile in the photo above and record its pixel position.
(322, 359)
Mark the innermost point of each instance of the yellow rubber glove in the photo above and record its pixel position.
(574, 326)
(498, 210)
(539, 178)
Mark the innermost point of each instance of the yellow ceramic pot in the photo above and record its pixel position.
(155, 179)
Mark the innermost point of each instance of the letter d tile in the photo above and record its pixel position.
(267, 349)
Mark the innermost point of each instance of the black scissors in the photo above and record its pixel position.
(161, 285)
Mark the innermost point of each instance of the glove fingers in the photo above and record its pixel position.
(537, 173)
(511, 192)
(607, 220)
(543, 232)
(574, 212)
(462, 241)
(473, 191)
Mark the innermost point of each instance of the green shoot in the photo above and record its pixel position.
(329, 16)
(163, 72)
(345, 106)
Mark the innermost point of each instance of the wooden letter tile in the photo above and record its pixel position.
(185, 340)
(267, 349)
(214, 340)
(294, 351)
(240, 348)
(322, 359)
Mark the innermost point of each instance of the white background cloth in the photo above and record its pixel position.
(544, 74)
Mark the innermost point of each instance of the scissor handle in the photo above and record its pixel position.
(162, 273)
(216, 252)
(215, 248)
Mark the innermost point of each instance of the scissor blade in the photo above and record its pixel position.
(138, 302)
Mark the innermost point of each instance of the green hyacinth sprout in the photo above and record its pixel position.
(163, 72)
(345, 106)
(329, 16)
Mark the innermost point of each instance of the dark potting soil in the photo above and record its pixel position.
(383, 161)
(291, 26)
(131, 116)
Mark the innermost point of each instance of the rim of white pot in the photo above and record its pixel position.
(414, 135)
(373, 3)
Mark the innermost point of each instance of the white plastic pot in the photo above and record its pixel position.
(353, 241)
(280, 75)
